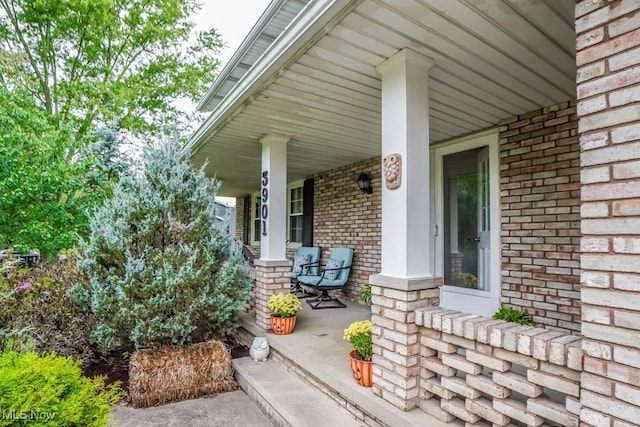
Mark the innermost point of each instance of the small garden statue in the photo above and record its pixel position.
(259, 349)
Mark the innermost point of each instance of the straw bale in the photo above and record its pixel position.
(170, 373)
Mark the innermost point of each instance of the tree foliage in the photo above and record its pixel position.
(160, 272)
(42, 192)
(90, 63)
(75, 76)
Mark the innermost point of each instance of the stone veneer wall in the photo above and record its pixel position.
(490, 372)
(345, 217)
(540, 206)
(608, 59)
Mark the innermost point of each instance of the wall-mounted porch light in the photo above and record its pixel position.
(364, 183)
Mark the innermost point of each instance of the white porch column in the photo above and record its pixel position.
(406, 281)
(405, 130)
(272, 269)
(273, 211)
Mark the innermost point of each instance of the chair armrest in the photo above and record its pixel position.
(302, 273)
(325, 269)
(333, 269)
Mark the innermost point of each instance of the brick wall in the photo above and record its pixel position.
(239, 218)
(396, 345)
(345, 217)
(608, 59)
(540, 204)
(489, 372)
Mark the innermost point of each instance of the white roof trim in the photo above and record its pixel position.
(249, 40)
(312, 22)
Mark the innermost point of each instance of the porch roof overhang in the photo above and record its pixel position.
(317, 82)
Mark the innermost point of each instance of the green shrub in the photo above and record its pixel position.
(160, 272)
(365, 294)
(17, 340)
(509, 314)
(36, 302)
(50, 390)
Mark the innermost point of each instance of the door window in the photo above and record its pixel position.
(467, 224)
(466, 218)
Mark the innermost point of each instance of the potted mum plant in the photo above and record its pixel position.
(359, 336)
(284, 308)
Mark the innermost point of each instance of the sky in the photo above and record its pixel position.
(233, 19)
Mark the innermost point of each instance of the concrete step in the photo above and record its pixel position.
(286, 399)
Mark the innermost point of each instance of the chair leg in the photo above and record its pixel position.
(325, 301)
(300, 292)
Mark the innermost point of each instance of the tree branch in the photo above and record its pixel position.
(11, 13)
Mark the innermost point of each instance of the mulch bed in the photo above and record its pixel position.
(111, 365)
(116, 368)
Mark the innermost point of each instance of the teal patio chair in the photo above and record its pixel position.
(333, 276)
(306, 262)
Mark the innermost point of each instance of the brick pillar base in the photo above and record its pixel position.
(396, 347)
(271, 277)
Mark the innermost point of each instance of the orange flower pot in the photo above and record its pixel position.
(282, 325)
(362, 370)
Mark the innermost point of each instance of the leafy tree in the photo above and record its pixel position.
(89, 63)
(160, 272)
(42, 192)
(74, 75)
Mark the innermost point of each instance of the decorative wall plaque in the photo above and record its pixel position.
(392, 171)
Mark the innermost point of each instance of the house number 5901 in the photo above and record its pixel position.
(264, 211)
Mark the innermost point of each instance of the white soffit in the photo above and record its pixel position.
(493, 59)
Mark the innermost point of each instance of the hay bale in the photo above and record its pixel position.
(171, 373)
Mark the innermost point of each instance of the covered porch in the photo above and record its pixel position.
(471, 369)
(317, 353)
(326, 90)
(347, 84)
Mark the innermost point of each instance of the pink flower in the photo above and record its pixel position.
(24, 286)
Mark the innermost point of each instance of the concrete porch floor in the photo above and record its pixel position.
(317, 347)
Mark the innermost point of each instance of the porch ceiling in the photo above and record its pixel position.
(493, 59)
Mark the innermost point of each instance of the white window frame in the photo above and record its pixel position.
(483, 302)
(291, 186)
(252, 222)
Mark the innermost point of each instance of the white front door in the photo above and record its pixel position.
(467, 222)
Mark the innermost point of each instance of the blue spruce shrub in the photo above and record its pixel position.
(160, 271)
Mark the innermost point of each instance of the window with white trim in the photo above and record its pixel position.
(295, 213)
(295, 210)
(255, 218)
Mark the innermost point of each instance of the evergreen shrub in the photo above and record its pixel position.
(50, 390)
(160, 271)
